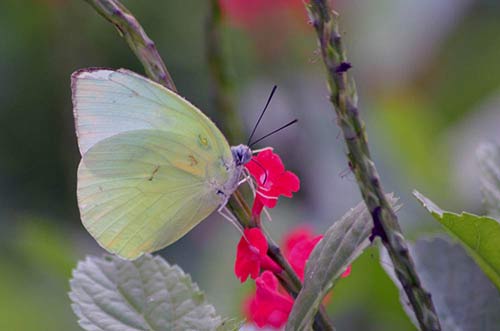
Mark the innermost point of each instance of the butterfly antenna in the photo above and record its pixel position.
(262, 167)
(262, 114)
(273, 132)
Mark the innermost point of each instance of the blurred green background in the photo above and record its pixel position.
(428, 74)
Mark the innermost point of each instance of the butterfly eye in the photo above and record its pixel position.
(241, 154)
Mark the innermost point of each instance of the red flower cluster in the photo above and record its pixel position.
(298, 245)
(272, 180)
(271, 305)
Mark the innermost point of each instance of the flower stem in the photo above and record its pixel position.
(344, 99)
(220, 82)
(137, 39)
(294, 283)
(244, 214)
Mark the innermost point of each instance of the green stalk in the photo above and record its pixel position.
(343, 96)
(220, 82)
(137, 39)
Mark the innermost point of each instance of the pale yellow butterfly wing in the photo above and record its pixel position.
(107, 102)
(152, 163)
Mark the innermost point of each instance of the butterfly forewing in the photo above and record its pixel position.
(107, 102)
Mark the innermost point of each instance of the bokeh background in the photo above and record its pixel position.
(428, 75)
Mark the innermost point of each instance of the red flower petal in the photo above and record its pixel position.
(251, 13)
(269, 307)
(272, 180)
(298, 246)
(251, 255)
(299, 254)
(285, 184)
(258, 205)
(295, 236)
(251, 249)
(347, 272)
(271, 161)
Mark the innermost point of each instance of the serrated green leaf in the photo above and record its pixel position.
(343, 242)
(488, 155)
(230, 325)
(148, 294)
(479, 234)
(465, 299)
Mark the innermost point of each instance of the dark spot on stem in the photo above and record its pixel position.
(378, 230)
(117, 12)
(343, 67)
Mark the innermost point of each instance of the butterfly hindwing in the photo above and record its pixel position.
(141, 190)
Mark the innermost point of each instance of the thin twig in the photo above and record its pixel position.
(343, 97)
(137, 39)
(220, 82)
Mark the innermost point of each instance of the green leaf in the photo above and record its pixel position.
(230, 325)
(479, 234)
(148, 294)
(464, 298)
(343, 242)
(488, 155)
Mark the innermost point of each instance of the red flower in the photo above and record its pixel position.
(272, 180)
(347, 272)
(251, 255)
(295, 236)
(298, 246)
(269, 307)
(250, 14)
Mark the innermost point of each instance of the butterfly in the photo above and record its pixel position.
(153, 165)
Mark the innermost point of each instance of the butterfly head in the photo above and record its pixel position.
(242, 154)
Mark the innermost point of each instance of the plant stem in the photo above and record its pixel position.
(142, 46)
(344, 99)
(275, 253)
(221, 83)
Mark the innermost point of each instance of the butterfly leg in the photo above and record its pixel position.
(248, 179)
(256, 151)
(226, 213)
(244, 180)
(268, 216)
(251, 184)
